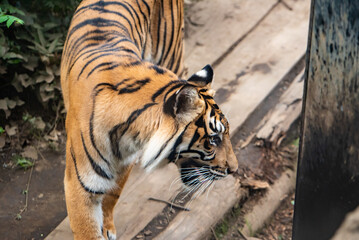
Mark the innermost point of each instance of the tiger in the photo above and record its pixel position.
(128, 102)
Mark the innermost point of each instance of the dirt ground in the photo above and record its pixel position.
(45, 196)
(280, 226)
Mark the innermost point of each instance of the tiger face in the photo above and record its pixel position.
(205, 152)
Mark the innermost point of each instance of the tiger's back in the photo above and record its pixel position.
(126, 103)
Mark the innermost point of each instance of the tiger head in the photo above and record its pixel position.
(203, 152)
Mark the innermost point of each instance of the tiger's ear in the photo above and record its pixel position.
(188, 104)
(202, 78)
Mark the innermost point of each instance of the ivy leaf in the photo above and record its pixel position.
(53, 45)
(4, 18)
(10, 21)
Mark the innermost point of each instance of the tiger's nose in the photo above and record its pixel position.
(232, 168)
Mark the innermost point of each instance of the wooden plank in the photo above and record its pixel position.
(206, 210)
(267, 205)
(134, 210)
(256, 66)
(278, 120)
(219, 23)
(328, 167)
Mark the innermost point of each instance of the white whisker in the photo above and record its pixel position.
(210, 188)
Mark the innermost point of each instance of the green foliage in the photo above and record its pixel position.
(295, 142)
(2, 130)
(18, 216)
(249, 225)
(221, 229)
(30, 53)
(23, 162)
(35, 126)
(10, 19)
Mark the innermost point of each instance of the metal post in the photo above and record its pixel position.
(328, 166)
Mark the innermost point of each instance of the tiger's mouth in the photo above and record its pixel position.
(194, 175)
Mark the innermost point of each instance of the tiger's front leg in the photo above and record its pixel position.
(109, 202)
(84, 207)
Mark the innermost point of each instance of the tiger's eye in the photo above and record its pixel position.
(215, 140)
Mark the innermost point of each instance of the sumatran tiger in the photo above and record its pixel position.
(127, 103)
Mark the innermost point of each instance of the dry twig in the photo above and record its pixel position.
(18, 215)
(169, 203)
(214, 233)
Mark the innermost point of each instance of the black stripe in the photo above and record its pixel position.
(148, 7)
(99, 3)
(162, 89)
(171, 89)
(97, 90)
(163, 42)
(74, 43)
(172, 155)
(195, 137)
(94, 165)
(79, 178)
(143, 15)
(102, 51)
(158, 34)
(179, 60)
(120, 129)
(207, 145)
(134, 87)
(137, 23)
(90, 61)
(212, 127)
(207, 97)
(200, 122)
(93, 115)
(124, 17)
(97, 22)
(105, 47)
(110, 67)
(158, 69)
(172, 34)
(162, 148)
(201, 154)
(104, 64)
(100, 56)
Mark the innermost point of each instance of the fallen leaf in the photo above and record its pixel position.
(147, 233)
(10, 131)
(3, 104)
(11, 103)
(53, 135)
(30, 152)
(247, 141)
(255, 184)
(39, 123)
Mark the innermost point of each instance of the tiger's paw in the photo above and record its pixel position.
(110, 234)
